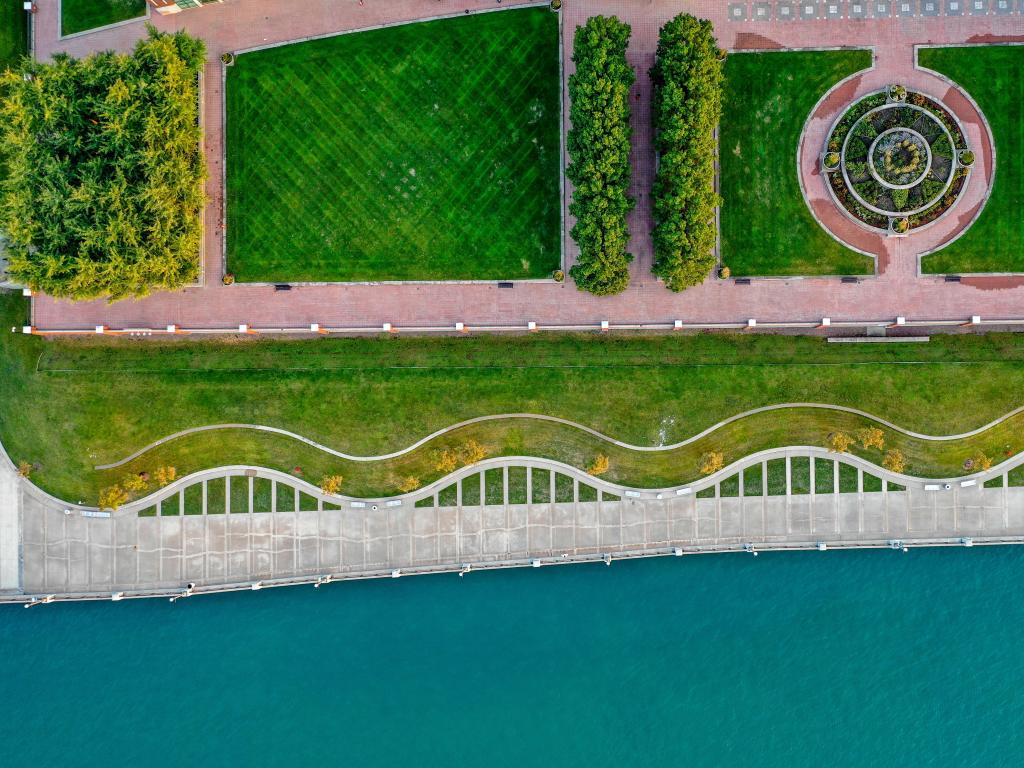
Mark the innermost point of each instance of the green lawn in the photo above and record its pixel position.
(80, 15)
(767, 228)
(13, 32)
(427, 151)
(69, 404)
(991, 75)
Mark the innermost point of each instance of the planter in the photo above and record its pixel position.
(556, 4)
(228, 279)
(899, 227)
(724, 273)
(830, 161)
(965, 157)
(227, 59)
(558, 276)
(897, 93)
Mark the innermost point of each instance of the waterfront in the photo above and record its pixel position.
(787, 659)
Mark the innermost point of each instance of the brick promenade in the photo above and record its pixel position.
(896, 291)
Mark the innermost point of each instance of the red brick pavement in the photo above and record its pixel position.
(244, 23)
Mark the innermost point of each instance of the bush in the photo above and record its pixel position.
(711, 461)
(228, 279)
(227, 58)
(839, 442)
(871, 437)
(558, 275)
(331, 484)
(113, 497)
(409, 484)
(446, 461)
(24, 469)
(967, 158)
(894, 461)
(599, 465)
(686, 106)
(472, 452)
(724, 273)
(979, 462)
(164, 476)
(900, 197)
(135, 483)
(832, 160)
(598, 147)
(104, 195)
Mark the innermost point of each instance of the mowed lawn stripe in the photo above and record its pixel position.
(421, 152)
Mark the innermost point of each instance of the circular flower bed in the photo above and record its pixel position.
(900, 159)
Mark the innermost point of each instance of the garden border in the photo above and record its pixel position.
(327, 35)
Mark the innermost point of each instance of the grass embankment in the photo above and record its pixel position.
(991, 75)
(80, 15)
(767, 228)
(427, 151)
(69, 405)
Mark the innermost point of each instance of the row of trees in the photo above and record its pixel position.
(686, 106)
(598, 145)
(687, 79)
(103, 195)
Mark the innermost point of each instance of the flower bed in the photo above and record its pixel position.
(900, 158)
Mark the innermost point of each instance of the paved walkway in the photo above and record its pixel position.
(10, 525)
(242, 23)
(72, 554)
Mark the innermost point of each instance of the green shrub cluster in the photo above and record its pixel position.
(598, 146)
(687, 104)
(104, 191)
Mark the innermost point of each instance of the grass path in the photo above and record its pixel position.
(426, 151)
(991, 75)
(69, 405)
(767, 228)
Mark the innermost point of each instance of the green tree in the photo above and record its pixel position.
(686, 106)
(598, 146)
(104, 191)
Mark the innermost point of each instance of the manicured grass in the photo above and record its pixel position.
(767, 228)
(13, 32)
(80, 15)
(753, 481)
(824, 476)
(72, 404)
(427, 151)
(991, 76)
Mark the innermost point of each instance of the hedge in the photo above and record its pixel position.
(686, 105)
(598, 145)
(104, 192)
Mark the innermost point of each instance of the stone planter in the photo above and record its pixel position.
(965, 157)
(898, 226)
(896, 93)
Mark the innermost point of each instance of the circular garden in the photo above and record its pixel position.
(896, 160)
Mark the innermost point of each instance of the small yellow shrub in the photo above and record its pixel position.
(894, 461)
(24, 469)
(134, 483)
(980, 462)
(446, 461)
(472, 452)
(409, 485)
(331, 484)
(712, 461)
(871, 437)
(112, 497)
(599, 465)
(839, 442)
(165, 476)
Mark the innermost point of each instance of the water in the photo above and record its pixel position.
(811, 659)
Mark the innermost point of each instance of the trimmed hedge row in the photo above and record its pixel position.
(598, 146)
(686, 105)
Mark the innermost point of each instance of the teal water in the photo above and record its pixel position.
(810, 659)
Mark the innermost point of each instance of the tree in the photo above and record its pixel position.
(894, 461)
(711, 462)
(599, 466)
(598, 146)
(331, 484)
(686, 106)
(104, 191)
(871, 437)
(113, 497)
(839, 442)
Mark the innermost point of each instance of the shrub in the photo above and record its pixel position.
(598, 466)
(556, 4)
(135, 483)
(331, 484)
(409, 484)
(24, 469)
(979, 462)
(113, 497)
(472, 452)
(228, 279)
(831, 159)
(711, 461)
(598, 147)
(104, 192)
(839, 442)
(900, 225)
(967, 158)
(446, 460)
(871, 437)
(686, 106)
(164, 476)
(724, 272)
(558, 275)
(900, 197)
(894, 461)
(227, 57)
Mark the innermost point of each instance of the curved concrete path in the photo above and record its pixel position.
(558, 420)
